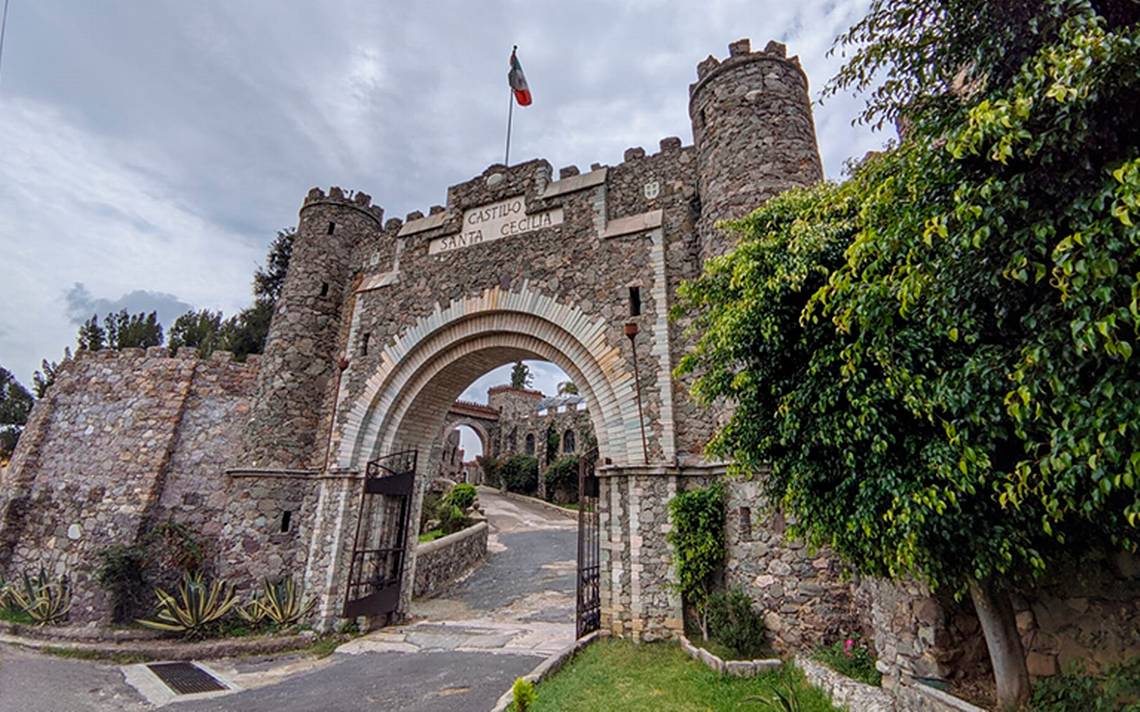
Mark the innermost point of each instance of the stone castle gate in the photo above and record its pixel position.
(382, 324)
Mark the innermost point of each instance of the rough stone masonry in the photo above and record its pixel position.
(380, 326)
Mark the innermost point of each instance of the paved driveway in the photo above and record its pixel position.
(460, 653)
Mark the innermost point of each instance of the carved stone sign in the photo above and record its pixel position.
(495, 221)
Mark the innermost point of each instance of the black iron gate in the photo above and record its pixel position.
(589, 613)
(380, 548)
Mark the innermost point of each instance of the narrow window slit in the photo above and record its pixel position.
(324, 289)
(635, 301)
(286, 520)
(332, 228)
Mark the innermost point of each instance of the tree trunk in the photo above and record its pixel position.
(995, 612)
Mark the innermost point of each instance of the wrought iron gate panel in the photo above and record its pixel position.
(589, 610)
(379, 551)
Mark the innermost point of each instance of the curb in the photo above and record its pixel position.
(572, 513)
(165, 649)
(549, 666)
(736, 668)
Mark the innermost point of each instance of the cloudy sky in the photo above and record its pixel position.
(149, 149)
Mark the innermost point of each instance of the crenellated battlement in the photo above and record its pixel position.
(155, 353)
(356, 200)
(740, 53)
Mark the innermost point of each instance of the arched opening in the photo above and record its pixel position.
(418, 377)
(568, 442)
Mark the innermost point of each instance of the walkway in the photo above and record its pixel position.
(460, 653)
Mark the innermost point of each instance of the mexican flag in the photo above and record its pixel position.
(518, 81)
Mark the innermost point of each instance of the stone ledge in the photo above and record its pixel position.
(550, 665)
(845, 692)
(633, 224)
(574, 183)
(161, 648)
(736, 668)
(564, 511)
(451, 539)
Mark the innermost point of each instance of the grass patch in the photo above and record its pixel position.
(431, 535)
(96, 655)
(719, 649)
(324, 647)
(659, 677)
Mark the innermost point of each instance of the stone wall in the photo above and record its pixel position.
(805, 597)
(442, 562)
(123, 440)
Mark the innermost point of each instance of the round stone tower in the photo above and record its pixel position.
(299, 368)
(754, 134)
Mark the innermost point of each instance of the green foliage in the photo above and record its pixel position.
(553, 441)
(524, 694)
(562, 480)
(452, 519)
(734, 623)
(519, 473)
(935, 356)
(15, 405)
(697, 537)
(1075, 690)
(42, 379)
(91, 336)
(491, 467)
(121, 570)
(851, 657)
(43, 599)
(196, 606)
(199, 330)
(463, 496)
(270, 279)
(520, 375)
(281, 603)
(568, 388)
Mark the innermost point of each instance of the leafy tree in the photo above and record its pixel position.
(521, 376)
(269, 280)
(15, 405)
(124, 330)
(553, 441)
(200, 330)
(935, 357)
(568, 388)
(42, 379)
(91, 336)
(246, 332)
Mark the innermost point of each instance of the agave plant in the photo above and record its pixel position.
(196, 606)
(280, 602)
(782, 699)
(46, 601)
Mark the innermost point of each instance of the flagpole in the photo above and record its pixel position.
(510, 117)
(3, 27)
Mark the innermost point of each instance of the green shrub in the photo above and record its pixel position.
(462, 495)
(44, 600)
(520, 474)
(196, 607)
(280, 603)
(697, 537)
(491, 467)
(1075, 690)
(734, 623)
(453, 519)
(430, 509)
(562, 480)
(121, 571)
(851, 657)
(524, 694)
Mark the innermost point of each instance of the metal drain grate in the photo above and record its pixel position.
(186, 678)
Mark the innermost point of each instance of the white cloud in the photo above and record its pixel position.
(158, 146)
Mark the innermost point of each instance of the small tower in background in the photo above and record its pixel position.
(300, 364)
(754, 134)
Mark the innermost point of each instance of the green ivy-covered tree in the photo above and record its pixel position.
(15, 405)
(935, 358)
